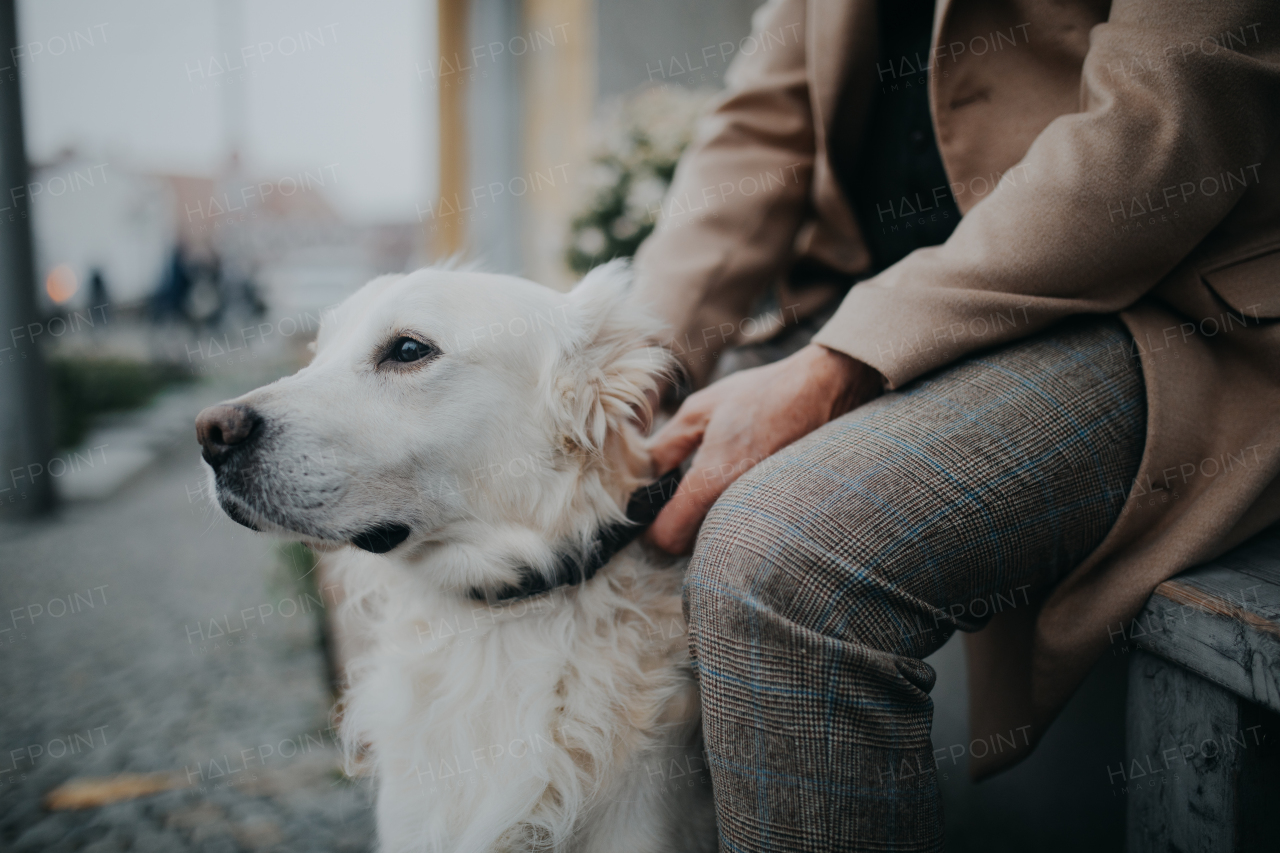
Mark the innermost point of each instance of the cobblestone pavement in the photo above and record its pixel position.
(146, 634)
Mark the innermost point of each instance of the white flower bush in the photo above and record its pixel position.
(639, 140)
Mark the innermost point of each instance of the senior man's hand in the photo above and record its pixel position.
(732, 425)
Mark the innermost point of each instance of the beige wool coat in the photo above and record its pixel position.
(1113, 157)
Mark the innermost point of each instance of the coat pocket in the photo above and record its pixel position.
(1251, 286)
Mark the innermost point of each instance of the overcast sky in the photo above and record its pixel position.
(320, 83)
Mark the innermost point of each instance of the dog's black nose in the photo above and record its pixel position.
(222, 428)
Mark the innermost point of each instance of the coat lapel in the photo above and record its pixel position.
(939, 84)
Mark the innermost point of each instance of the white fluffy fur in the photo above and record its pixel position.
(564, 722)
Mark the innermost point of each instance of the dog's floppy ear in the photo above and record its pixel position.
(616, 356)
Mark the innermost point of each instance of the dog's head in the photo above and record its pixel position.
(478, 419)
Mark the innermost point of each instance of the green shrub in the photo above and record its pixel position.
(86, 388)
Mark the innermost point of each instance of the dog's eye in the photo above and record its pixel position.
(408, 349)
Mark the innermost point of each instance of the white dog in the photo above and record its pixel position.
(478, 434)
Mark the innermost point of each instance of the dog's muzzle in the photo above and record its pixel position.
(231, 438)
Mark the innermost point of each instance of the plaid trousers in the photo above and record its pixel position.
(824, 575)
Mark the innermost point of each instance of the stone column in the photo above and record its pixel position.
(26, 434)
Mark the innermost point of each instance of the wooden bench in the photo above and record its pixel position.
(1203, 722)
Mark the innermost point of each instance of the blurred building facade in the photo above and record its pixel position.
(518, 84)
(106, 232)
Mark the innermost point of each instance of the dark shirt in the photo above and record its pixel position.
(898, 187)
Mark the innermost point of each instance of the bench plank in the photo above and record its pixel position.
(1222, 620)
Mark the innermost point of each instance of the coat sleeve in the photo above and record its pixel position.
(738, 196)
(1178, 111)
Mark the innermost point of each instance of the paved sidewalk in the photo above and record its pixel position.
(148, 633)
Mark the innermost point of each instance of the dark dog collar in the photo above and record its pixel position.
(579, 566)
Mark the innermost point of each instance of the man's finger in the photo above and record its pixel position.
(676, 527)
(678, 438)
